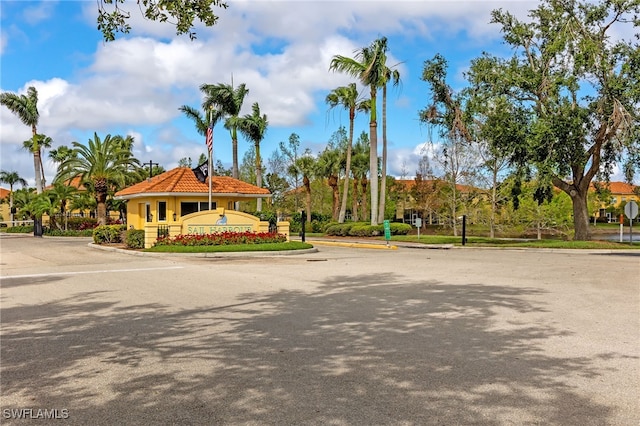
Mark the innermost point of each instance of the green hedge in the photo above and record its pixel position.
(363, 229)
(106, 234)
(20, 230)
(134, 238)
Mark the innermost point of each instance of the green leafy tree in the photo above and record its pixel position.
(348, 98)
(37, 143)
(226, 101)
(254, 127)
(578, 83)
(11, 178)
(114, 18)
(103, 165)
(366, 67)
(289, 151)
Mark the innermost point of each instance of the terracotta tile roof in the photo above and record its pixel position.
(75, 182)
(4, 193)
(408, 184)
(182, 180)
(617, 187)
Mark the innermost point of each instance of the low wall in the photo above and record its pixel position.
(210, 222)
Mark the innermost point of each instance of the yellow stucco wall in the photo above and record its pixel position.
(136, 209)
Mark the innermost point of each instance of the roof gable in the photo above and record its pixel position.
(182, 180)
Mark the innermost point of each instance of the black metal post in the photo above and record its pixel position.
(464, 229)
(151, 164)
(303, 220)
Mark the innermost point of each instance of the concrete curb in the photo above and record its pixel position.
(353, 244)
(206, 255)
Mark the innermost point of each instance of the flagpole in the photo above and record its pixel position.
(210, 157)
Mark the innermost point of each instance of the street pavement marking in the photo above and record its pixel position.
(89, 272)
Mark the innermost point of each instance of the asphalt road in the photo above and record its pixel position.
(343, 336)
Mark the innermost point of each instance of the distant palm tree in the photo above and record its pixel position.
(347, 97)
(200, 120)
(329, 166)
(11, 178)
(60, 154)
(305, 166)
(254, 127)
(228, 100)
(365, 66)
(63, 194)
(34, 144)
(360, 167)
(25, 107)
(102, 164)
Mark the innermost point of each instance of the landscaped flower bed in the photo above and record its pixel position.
(222, 238)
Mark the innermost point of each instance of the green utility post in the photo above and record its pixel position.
(387, 231)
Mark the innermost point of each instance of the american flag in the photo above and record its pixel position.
(210, 137)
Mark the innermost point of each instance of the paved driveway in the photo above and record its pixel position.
(343, 336)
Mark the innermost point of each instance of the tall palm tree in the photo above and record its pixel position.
(228, 100)
(25, 107)
(347, 97)
(393, 75)
(11, 178)
(34, 145)
(102, 164)
(254, 127)
(365, 66)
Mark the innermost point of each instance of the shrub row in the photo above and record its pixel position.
(108, 234)
(363, 229)
(222, 238)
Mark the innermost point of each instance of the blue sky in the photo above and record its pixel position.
(280, 49)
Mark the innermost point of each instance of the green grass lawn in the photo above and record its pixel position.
(496, 242)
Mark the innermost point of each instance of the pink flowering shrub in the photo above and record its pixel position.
(222, 238)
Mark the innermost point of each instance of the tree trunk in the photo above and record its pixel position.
(335, 195)
(363, 184)
(307, 187)
(101, 198)
(258, 176)
(345, 190)
(354, 200)
(234, 148)
(373, 159)
(383, 183)
(578, 193)
(580, 216)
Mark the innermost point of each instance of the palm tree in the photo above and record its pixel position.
(329, 166)
(199, 119)
(305, 166)
(360, 167)
(365, 66)
(392, 75)
(11, 178)
(102, 164)
(34, 145)
(254, 127)
(228, 100)
(60, 154)
(347, 97)
(63, 195)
